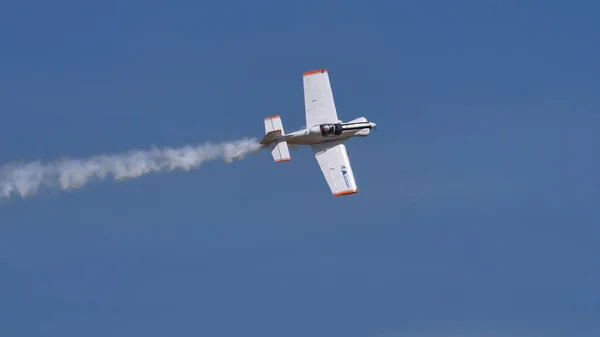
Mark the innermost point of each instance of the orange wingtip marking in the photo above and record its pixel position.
(271, 117)
(318, 71)
(283, 160)
(345, 193)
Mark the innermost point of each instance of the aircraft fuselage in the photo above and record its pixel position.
(329, 132)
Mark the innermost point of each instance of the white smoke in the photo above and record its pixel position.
(25, 179)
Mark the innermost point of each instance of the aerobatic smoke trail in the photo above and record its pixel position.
(25, 179)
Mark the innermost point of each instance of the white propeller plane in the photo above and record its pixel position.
(324, 132)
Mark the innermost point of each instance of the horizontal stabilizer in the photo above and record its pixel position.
(273, 129)
(280, 151)
(273, 123)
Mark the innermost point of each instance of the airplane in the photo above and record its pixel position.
(324, 133)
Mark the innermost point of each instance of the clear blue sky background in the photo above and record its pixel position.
(478, 205)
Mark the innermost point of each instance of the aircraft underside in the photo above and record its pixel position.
(329, 132)
(325, 133)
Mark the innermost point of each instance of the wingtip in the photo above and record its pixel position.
(347, 192)
(316, 71)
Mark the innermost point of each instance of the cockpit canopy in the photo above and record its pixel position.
(331, 129)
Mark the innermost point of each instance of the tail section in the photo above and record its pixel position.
(273, 123)
(280, 151)
(273, 134)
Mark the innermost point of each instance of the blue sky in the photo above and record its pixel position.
(478, 205)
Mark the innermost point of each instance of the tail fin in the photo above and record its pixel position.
(273, 132)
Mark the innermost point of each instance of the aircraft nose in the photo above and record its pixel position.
(373, 125)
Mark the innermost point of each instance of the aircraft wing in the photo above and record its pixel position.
(318, 98)
(335, 165)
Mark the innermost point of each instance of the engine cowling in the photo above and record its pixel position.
(330, 129)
